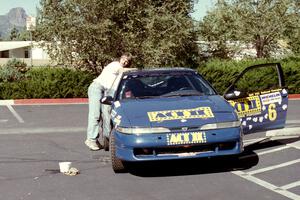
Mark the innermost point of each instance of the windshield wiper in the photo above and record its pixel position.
(183, 93)
(146, 97)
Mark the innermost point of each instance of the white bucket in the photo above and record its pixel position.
(64, 166)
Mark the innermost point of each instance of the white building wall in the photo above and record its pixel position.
(39, 53)
(16, 49)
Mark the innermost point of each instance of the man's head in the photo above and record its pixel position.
(126, 60)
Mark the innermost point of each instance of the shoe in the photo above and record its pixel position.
(93, 144)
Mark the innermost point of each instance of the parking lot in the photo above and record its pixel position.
(35, 138)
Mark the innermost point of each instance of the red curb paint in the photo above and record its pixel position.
(50, 101)
(294, 96)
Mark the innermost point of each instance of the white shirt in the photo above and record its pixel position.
(109, 74)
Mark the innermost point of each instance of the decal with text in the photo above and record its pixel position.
(186, 138)
(200, 112)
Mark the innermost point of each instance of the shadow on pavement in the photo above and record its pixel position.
(244, 161)
(194, 166)
(270, 143)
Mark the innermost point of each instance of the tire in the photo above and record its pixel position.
(104, 140)
(117, 164)
(105, 143)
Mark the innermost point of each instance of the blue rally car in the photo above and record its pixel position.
(174, 113)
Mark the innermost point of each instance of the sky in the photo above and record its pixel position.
(30, 7)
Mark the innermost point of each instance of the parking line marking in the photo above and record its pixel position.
(41, 130)
(295, 145)
(267, 185)
(273, 150)
(292, 121)
(12, 110)
(273, 167)
(291, 185)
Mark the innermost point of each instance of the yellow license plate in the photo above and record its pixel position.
(186, 138)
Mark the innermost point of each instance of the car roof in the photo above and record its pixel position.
(157, 70)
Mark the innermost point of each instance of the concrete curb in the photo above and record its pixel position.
(73, 101)
(44, 101)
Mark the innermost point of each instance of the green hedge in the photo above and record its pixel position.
(46, 82)
(222, 73)
(49, 82)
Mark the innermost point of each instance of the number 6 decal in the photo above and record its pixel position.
(272, 112)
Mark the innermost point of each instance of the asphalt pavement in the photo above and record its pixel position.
(35, 137)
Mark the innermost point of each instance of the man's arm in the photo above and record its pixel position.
(121, 70)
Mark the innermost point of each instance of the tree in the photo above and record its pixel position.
(157, 33)
(292, 32)
(259, 22)
(217, 28)
(24, 35)
(19, 34)
(14, 34)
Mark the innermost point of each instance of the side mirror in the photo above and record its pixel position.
(108, 100)
(233, 95)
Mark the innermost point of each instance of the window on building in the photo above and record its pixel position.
(4, 54)
(26, 53)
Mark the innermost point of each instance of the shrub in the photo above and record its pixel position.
(18, 64)
(221, 73)
(48, 82)
(13, 70)
(9, 74)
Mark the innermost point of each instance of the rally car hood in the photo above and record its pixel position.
(175, 111)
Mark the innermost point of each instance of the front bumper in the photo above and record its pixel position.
(149, 147)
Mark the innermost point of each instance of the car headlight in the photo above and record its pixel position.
(221, 125)
(139, 130)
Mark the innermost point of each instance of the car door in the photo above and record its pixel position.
(259, 97)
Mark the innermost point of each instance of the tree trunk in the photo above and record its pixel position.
(259, 46)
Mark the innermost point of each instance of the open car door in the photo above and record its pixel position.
(260, 98)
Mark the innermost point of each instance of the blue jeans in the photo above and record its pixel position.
(95, 93)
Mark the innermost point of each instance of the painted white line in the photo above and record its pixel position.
(3, 120)
(12, 110)
(267, 185)
(295, 131)
(252, 141)
(291, 185)
(42, 130)
(295, 145)
(273, 150)
(293, 122)
(273, 167)
(6, 102)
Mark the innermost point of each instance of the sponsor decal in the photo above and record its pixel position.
(117, 104)
(195, 113)
(186, 138)
(274, 97)
(247, 106)
(267, 91)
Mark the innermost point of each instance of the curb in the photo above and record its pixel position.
(73, 101)
(294, 96)
(44, 101)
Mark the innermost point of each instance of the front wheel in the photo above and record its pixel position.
(117, 164)
(105, 143)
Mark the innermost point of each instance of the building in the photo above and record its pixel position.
(27, 51)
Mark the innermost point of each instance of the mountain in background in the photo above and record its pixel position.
(16, 17)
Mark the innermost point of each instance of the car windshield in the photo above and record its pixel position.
(159, 85)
